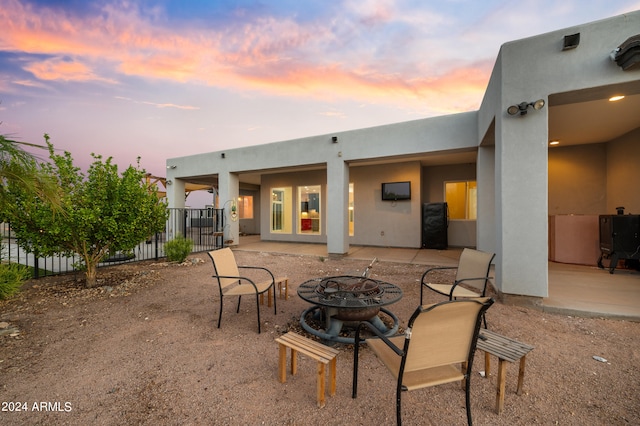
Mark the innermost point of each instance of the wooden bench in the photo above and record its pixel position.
(505, 349)
(283, 284)
(278, 283)
(322, 354)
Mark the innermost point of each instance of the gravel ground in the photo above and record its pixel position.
(144, 348)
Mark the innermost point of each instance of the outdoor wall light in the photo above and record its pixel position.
(524, 106)
(334, 139)
(172, 167)
(169, 182)
(627, 55)
(234, 211)
(222, 155)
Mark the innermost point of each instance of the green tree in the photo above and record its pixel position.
(103, 212)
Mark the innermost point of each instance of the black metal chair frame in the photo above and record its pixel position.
(405, 350)
(456, 283)
(240, 279)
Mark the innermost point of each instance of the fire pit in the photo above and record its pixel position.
(346, 299)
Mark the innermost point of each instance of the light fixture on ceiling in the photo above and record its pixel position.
(616, 98)
(554, 143)
(522, 107)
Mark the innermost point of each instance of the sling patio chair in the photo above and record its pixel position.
(231, 283)
(472, 276)
(437, 348)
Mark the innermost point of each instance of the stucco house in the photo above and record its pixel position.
(508, 190)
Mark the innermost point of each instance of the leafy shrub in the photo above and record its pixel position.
(178, 249)
(12, 276)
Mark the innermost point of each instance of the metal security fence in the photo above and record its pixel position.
(203, 226)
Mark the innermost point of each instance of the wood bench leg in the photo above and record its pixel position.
(487, 364)
(294, 362)
(332, 377)
(320, 385)
(463, 370)
(521, 375)
(282, 364)
(268, 297)
(283, 285)
(502, 372)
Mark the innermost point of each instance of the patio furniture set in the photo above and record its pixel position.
(438, 344)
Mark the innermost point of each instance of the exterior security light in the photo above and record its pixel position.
(522, 107)
(627, 55)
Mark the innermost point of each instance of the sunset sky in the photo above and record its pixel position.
(167, 78)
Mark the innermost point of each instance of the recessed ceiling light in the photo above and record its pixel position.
(554, 143)
(616, 98)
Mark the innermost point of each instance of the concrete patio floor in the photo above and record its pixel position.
(573, 289)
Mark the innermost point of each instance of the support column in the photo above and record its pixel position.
(175, 200)
(175, 193)
(486, 220)
(228, 192)
(522, 204)
(337, 220)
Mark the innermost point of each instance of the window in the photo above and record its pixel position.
(245, 207)
(280, 202)
(462, 199)
(309, 209)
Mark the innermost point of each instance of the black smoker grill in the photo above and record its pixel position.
(619, 239)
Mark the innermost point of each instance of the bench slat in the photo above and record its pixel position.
(502, 347)
(311, 348)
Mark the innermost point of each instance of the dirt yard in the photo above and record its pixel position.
(144, 348)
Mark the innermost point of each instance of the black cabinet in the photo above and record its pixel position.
(435, 222)
(619, 239)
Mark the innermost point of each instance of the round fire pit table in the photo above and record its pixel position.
(346, 300)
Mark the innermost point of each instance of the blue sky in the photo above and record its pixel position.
(161, 79)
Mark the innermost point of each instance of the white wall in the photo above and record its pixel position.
(377, 222)
(386, 223)
(578, 179)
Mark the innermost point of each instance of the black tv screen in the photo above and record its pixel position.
(395, 191)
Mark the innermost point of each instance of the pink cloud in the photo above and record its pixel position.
(274, 56)
(58, 69)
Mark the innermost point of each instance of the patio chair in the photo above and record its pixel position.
(472, 276)
(438, 338)
(231, 283)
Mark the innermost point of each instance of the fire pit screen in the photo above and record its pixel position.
(345, 299)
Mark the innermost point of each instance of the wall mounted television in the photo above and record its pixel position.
(396, 191)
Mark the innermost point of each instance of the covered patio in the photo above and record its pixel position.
(574, 290)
